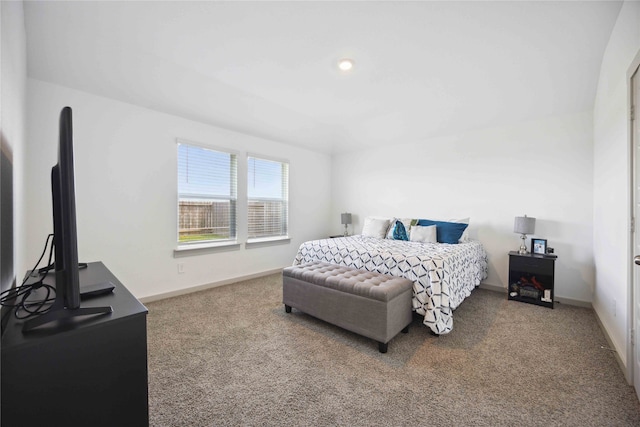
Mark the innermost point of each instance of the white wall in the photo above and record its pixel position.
(612, 179)
(541, 168)
(13, 78)
(125, 159)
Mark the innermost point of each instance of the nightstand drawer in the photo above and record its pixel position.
(532, 265)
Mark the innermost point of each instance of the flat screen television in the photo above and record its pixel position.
(65, 237)
(65, 234)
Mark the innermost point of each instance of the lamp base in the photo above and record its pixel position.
(523, 246)
(346, 230)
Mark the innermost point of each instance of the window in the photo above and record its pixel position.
(268, 198)
(207, 194)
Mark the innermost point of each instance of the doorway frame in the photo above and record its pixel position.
(634, 227)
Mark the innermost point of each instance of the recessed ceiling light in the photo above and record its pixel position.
(345, 64)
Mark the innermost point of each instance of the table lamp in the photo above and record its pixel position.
(345, 219)
(524, 225)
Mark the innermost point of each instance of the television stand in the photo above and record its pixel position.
(58, 312)
(87, 370)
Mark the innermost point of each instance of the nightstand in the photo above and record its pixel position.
(531, 278)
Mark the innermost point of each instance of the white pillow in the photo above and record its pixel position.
(425, 234)
(375, 227)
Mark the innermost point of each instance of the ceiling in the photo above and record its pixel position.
(422, 69)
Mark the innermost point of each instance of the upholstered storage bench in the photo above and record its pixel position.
(375, 305)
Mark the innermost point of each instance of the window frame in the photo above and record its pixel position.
(233, 198)
(285, 199)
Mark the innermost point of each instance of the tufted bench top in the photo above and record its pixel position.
(364, 283)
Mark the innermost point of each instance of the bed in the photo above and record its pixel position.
(443, 275)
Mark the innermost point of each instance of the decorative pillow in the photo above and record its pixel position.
(399, 231)
(392, 227)
(465, 233)
(447, 232)
(427, 234)
(375, 227)
(407, 222)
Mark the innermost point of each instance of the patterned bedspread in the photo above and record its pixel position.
(443, 275)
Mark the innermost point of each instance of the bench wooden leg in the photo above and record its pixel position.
(382, 346)
(287, 308)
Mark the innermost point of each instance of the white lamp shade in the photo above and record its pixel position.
(345, 218)
(524, 225)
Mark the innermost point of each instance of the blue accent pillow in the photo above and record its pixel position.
(446, 232)
(400, 232)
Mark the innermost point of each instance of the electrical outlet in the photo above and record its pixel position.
(180, 268)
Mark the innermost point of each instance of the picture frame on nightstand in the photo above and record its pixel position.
(539, 246)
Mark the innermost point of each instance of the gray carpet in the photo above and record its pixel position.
(232, 356)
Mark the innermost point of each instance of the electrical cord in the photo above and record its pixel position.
(50, 266)
(26, 300)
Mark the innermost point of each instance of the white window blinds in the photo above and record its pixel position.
(268, 198)
(207, 194)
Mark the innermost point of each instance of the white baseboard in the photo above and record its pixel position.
(613, 348)
(561, 300)
(198, 288)
(494, 288)
(574, 302)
